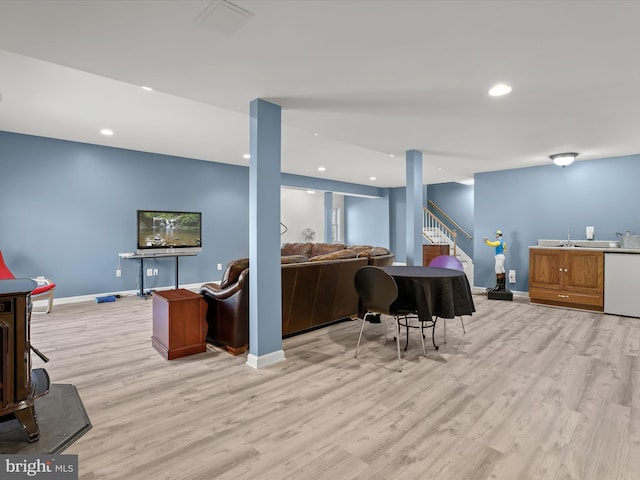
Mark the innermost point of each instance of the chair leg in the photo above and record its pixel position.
(398, 345)
(49, 298)
(433, 334)
(406, 322)
(463, 330)
(360, 336)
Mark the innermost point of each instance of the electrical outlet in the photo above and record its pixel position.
(155, 272)
(149, 272)
(512, 276)
(219, 266)
(118, 273)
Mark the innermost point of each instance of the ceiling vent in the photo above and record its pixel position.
(224, 17)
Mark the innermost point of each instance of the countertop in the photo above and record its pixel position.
(598, 245)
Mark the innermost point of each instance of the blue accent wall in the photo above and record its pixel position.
(535, 203)
(398, 222)
(367, 220)
(69, 208)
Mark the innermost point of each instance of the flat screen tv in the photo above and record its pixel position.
(161, 231)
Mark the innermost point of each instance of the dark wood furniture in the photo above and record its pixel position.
(19, 385)
(179, 328)
(567, 277)
(429, 252)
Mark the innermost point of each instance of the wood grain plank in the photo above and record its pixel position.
(529, 392)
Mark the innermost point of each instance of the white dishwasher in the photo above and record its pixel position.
(622, 284)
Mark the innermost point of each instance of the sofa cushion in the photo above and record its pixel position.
(361, 250)
(344, 253)
(375, 251)
(296, 249)
(233, 271)
(324, 248)
(286, 259)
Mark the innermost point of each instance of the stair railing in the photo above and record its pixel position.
(450, 220)
(436, 232)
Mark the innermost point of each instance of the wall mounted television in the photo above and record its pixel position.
(162, 231)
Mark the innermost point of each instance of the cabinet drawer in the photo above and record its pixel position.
(541, 295)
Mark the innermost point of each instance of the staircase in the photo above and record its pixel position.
(437, 233)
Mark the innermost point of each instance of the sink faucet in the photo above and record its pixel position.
(569, 242)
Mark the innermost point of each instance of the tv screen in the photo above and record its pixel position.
(166, 231)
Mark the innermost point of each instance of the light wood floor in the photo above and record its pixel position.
(529, 392)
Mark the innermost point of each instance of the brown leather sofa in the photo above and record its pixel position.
(317, 289)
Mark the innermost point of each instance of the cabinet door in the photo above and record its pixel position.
(545, 269)
(584, 271)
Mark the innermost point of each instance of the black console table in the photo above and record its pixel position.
(142, 256)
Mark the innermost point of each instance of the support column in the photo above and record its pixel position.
(265, 300)
(328, 217)
(414, 203)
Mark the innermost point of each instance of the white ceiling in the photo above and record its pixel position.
(371, 78)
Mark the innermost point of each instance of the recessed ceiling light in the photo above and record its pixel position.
(391, 155)
(315, 134)
(107, 132)
(246, 155)
(372, 178)
(311, 192)
(499, 90)
(321, 169)
(148, 89)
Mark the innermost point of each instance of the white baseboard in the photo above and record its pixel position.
(265, 360)
(125, 293)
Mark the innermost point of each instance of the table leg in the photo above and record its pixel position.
(141, 294)
(177, 272)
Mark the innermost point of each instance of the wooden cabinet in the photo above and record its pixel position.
(429, 252)
(571, 278)
(179, 328)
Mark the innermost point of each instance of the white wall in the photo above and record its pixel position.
(299, 210)
(338, 202)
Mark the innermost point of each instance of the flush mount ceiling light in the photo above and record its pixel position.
(563, 159)
(107, 132)
(148, 89)
(321, 169)
(499, 90)
(246, 156)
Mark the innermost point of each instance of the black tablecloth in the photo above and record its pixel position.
(433, 292)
